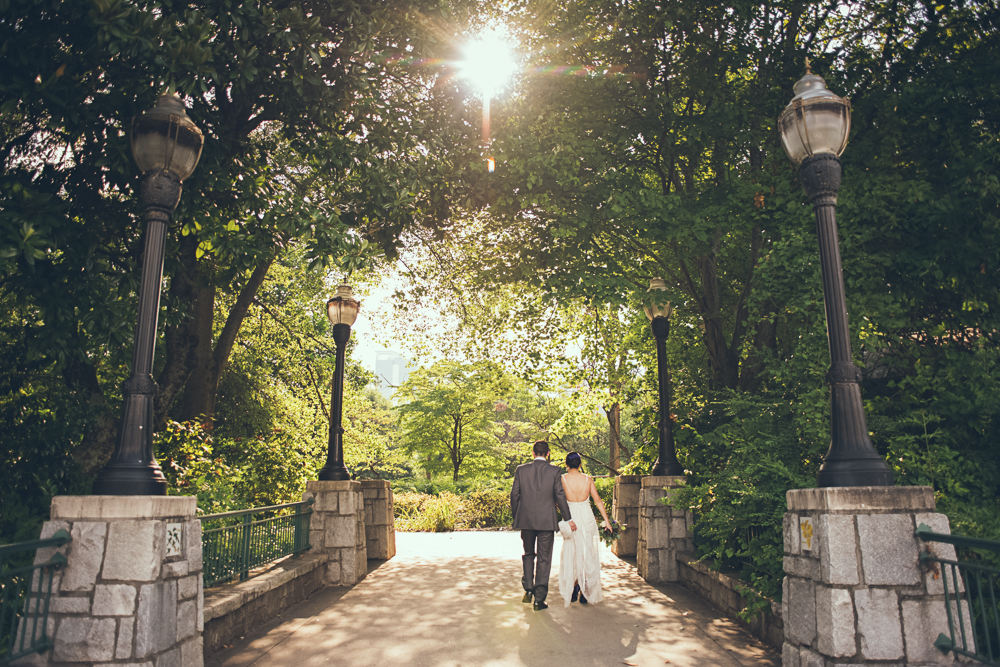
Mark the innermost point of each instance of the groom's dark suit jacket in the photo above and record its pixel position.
(536, 493)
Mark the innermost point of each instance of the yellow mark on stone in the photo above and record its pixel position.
(806, 528)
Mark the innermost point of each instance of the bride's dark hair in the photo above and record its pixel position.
(573, 460)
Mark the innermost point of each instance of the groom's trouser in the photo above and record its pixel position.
(536, 574)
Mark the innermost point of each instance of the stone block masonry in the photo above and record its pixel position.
(854, 590)
(235, 610)
(625, 510)
(664, 531)
(337, 528)
(380, 528)
(131, 592)
(730, 596)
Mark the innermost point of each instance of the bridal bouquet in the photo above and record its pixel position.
(609, 536)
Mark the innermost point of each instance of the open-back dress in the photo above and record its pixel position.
(581, 560)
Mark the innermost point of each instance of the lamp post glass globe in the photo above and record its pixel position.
(165, 139)
(815, 122)
(166, 146)
(658, 311)
(342, 310)
(343, 307)
(814, 129)
(655, 305)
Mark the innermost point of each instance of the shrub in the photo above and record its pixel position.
(606, 490)
(738, 498)
(415, 512)
(407, 504)
(487, 508)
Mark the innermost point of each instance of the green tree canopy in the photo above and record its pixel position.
(447, 415)
(321, 133)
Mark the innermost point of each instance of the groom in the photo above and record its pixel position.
(536, 493)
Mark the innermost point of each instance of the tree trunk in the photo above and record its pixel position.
(198, 401)
(456, 447)
(765, 341)
(99, 440)
(180, 340)
(724, 352)
(614, 414)
(202, 387)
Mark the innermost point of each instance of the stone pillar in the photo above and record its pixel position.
(854, 590)
(380, 529)
(131, 591)
(663, 530)
(337, 528)
(626, 511)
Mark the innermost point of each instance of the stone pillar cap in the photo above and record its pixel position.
(861, 498)
(123, 507)
(628, 479)
(333, 485)
(663, 480)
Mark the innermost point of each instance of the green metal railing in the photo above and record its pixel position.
(251, 538)
(25, 591)
(971, 591)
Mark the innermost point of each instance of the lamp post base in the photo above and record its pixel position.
(854, 472)
(334, 474)
(673, 469)
(147, 480)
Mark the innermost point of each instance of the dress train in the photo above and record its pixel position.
(581, 560)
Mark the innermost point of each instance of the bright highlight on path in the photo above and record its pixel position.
(454, 600)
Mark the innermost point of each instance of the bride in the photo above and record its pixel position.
(580, 563)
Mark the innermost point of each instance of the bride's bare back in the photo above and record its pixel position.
(577, 486)
(580, 487)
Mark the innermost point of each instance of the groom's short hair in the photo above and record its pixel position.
(540, 448)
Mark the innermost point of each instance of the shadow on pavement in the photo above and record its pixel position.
(456, 601)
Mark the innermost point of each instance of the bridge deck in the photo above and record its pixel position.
(454, 599)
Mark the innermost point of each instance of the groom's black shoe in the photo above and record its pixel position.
(583, 600)
(576, 592)
(538, 606)
(527, 597)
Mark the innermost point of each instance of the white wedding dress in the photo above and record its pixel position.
(581, 560)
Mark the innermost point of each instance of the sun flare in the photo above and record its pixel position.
(488, 62)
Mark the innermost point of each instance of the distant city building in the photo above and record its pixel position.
(390, 367)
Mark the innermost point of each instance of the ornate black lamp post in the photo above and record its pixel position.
(342, 310)
(166, 145)
(658, 311)
(814, 129)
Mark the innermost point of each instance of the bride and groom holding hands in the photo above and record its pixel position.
(539, 489)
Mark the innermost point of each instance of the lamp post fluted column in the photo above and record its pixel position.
(814, 130)
(133, 470)
(166, 146)
(666, 459)
(658, 311)
(334, 469)
(851, 459)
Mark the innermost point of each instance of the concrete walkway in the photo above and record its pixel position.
(454, 599)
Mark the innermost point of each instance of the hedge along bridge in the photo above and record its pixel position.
(131, 590)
